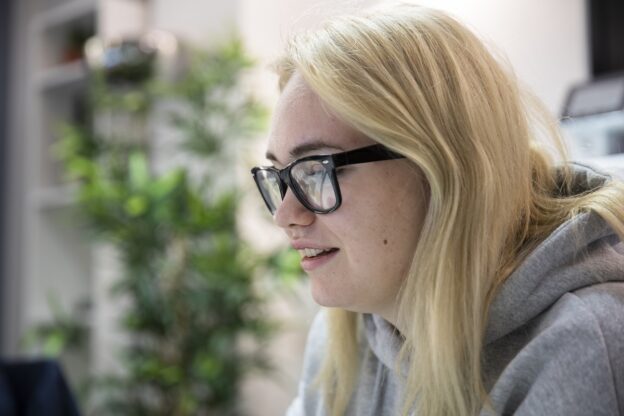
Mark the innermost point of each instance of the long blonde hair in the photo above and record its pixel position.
(417, 81)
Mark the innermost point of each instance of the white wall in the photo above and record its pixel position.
(545, 41)
(199, 21)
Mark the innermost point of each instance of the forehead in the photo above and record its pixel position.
(302, 120)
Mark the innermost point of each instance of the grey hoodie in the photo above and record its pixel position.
(554, 343)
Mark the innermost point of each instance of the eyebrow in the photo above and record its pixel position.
(304, 148)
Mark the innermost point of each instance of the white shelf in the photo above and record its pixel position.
(55, 239)
(54, 197)
(61, 76)
(63, 14)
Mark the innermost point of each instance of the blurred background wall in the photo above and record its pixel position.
(547, 43)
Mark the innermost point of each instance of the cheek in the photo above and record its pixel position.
(378, 240)
(387, 226)
(362, 224)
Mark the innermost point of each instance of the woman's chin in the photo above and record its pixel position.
(326, 297)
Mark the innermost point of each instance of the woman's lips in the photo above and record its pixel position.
(311, 263)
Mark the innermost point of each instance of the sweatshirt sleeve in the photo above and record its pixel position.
(605, 303)
(309, 400)
(574, 364)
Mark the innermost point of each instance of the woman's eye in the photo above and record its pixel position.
(313, 170)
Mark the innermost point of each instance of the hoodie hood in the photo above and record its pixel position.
(581, 252)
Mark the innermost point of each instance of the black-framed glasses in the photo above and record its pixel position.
(313, 179)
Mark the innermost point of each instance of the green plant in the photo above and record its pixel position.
(64, 333)
(187, 273)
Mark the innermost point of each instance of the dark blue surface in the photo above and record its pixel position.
(34, 388)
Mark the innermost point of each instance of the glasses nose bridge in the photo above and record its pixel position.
(284, 180)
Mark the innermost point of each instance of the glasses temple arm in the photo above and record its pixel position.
(366, 154)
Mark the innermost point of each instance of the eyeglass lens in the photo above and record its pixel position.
(312, 180)
(315, 183)
(268, 182)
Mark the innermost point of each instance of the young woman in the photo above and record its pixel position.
(463, 270)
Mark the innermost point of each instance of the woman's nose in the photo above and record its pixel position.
(292, 213)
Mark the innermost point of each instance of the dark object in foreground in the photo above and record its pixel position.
(30, 388)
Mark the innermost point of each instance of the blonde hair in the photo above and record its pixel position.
(420, 83)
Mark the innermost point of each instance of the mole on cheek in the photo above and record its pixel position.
(385, 242)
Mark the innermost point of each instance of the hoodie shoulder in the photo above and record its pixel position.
(570, 360)
(605, 303)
